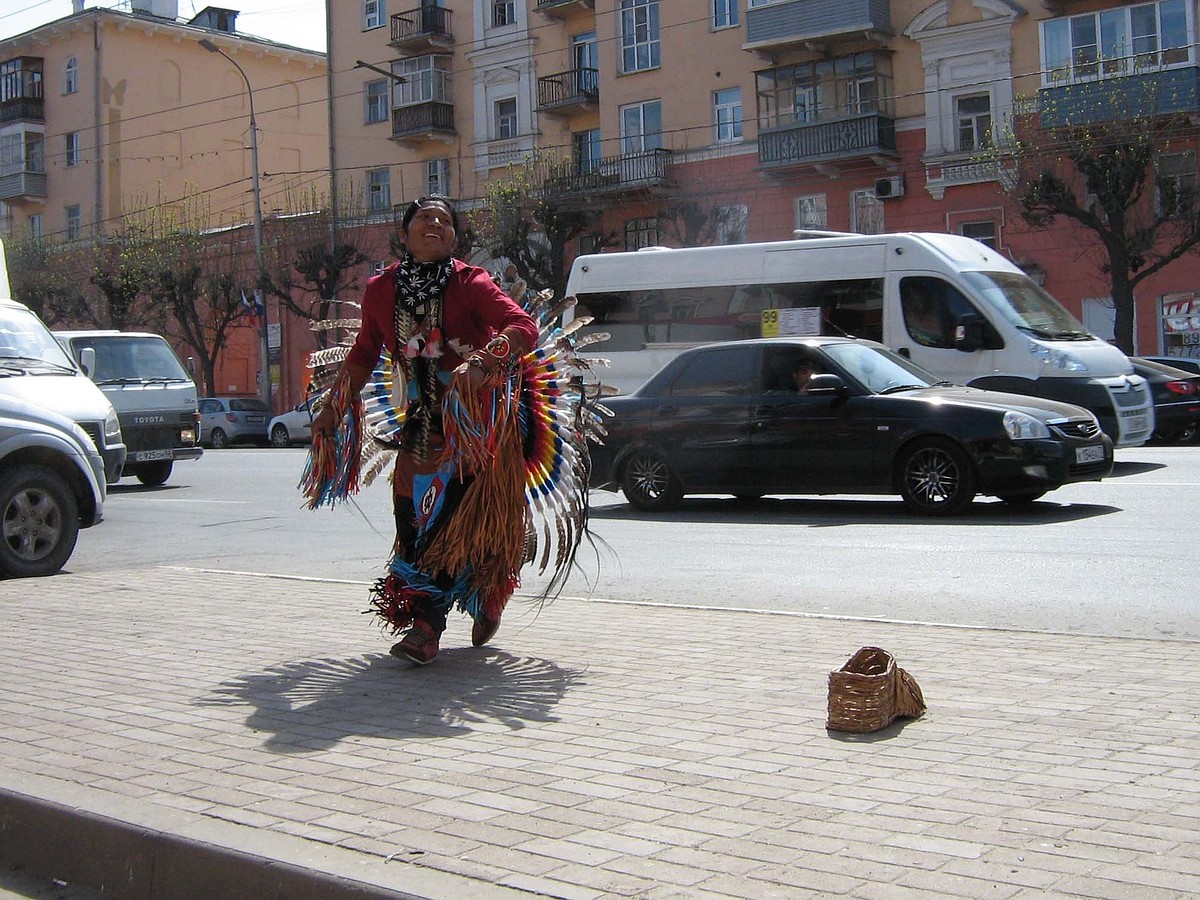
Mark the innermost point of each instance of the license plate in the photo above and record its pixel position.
(148, 455)
(1089, 454)
(1136, 423)
(254, 418)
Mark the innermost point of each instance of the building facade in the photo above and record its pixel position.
(763, 115)
(106, 113)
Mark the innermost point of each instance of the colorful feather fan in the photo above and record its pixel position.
(544, 412)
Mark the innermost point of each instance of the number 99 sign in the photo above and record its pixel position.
(770, 323)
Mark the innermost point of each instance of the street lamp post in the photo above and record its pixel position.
(260, 302)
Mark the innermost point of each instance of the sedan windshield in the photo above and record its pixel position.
(1029, 308)
(878, 369)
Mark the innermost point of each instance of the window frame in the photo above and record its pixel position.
(506, 126)
(643, 231)
(637, 54)
(71, 152)
(981, 138)
(373, 97)
(379, 190)
(437, 176)
(374, 14)
(71, 76)
(502, 9)
(73, 214)
(728, 121)
(639, 137)
(1183, 203)
(1106, 43)
(725, 14)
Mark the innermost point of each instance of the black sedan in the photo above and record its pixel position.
(1176, 395)
(827, 415)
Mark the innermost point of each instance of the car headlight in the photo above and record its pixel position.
(1023, 427)
(1060, 359)
(112, 428)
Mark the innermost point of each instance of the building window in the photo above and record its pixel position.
(379, 190)
(437, 176)
(639, 35)
(505, 119)
(727, 115)
(831, 88)
(812, 212)
(71, 76)
(984, 232)
(731, 224)
(974, 114)
(1176, 183)
(641, 127)
(74, 222)
(586, 150)
(1114, 42)
(641, 233)
(377, 101)
(71, 150)
(724, 13)
(374, 13)
(504, 12)
(35, 226)
(866, 212)
(426, 78)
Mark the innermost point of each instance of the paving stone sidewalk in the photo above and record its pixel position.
(594, 750)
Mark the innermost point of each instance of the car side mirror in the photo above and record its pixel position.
(87, 360)
(968, 334)
(826, 385)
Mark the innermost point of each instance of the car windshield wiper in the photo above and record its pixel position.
(903, 387)
(22, 362)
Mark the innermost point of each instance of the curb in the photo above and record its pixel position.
(129, 849)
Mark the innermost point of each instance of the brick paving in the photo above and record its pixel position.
(595, 749)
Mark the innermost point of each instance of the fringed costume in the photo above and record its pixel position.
(483, 478)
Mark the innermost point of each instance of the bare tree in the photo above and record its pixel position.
(45, 278)
(528, 219)
(1100, 156)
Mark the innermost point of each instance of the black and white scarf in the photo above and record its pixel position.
(420, 297)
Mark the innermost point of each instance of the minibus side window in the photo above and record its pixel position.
(933, 307)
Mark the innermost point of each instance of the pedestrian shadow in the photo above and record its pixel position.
(317, 704)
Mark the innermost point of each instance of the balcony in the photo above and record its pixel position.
(22, 90)
(23, 185)
(644, 172)
(869, 134)
(951, 171)
(23, 109)
(563, 9)
(1152, 93)
(816, 22)
(567, 92)
(432, 120)
(422, 30)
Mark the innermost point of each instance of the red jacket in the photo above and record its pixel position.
(474, 311)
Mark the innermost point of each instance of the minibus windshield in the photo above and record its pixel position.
(25, 340)
(1026, 306)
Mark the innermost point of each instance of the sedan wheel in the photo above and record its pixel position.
(218, 439)
(936, 478)
(39, 520)
(649, 484)
(280, 436)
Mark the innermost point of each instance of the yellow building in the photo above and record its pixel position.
(104, 112)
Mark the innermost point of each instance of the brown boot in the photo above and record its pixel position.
(419, 644)
(483, 631)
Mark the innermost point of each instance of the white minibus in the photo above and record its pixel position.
(949, 303)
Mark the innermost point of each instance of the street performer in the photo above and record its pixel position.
(455, 341)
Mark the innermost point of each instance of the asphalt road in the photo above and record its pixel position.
(1114, 557)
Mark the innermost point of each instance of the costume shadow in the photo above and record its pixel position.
(317, 704)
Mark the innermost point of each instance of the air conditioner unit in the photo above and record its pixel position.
(887, 188)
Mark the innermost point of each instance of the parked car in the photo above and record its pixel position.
(726, 419)
(1186, 363)
(1176, 394)
(293, 426)
(227, 420)
(51, 485)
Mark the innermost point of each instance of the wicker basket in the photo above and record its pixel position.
(870, 692)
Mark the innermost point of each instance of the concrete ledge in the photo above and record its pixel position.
(132, 849)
